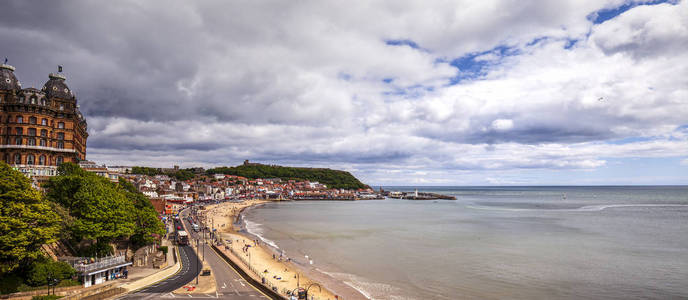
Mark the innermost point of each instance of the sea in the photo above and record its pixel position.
(582, 242)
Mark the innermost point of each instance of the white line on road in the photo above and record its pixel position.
(235, 289)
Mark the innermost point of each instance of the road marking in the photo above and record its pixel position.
(235, 289)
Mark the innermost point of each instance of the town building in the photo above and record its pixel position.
(97, 271)
(40, 128)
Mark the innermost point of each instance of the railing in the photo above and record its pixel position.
(268, 282)
(100, 263)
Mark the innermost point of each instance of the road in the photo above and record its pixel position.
(229, 283)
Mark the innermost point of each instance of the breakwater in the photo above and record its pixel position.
(418, 196)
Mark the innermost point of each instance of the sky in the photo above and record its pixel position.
(570, 92)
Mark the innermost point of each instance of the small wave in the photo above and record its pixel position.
(583, 208)
(369, 289)
(603, 207)
(257, 230)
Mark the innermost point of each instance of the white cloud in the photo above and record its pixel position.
(502, 124)
(313, 83)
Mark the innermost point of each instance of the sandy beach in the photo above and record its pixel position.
(264, 261)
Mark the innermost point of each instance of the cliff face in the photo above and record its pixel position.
(332, 178)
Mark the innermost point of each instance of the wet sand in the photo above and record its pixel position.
(279, 272)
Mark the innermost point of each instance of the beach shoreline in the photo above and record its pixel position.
(258, 254)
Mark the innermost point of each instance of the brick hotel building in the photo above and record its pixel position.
(40, 129)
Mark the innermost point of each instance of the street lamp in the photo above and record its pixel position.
(309, 287)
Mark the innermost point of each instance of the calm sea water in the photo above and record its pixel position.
(494, 242)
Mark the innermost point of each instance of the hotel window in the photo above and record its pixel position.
(33, 120)
(34, 100)
(19, 130)
(44, 133)
(18, 141)
(60, 145)
(17, 159)
(59, 160)
(60, 125)
(41, 160)
(32, 131)
(20, 119)
(42, 142)
(44, 122)
(61, 106)
(31, 142)
(22, 99)
(43, 102)
(60, 135)
(29, 159)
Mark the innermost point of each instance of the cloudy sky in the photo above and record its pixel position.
(397, 92)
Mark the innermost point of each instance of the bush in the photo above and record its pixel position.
(46, 297)
(9, 283)
(64, 283)
(42, 269)
(163, 249)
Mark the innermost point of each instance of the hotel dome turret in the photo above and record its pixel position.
(8, 82)
(40, 128)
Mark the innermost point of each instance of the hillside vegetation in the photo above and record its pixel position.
(77, 206)
(183, 174)
(332, 178)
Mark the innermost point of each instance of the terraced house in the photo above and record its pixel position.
(40, 128)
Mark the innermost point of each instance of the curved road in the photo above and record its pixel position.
(229, 283)
(187, 273)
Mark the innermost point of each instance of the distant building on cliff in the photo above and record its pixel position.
(40, 128)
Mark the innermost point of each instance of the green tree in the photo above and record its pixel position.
(44, 268)
(26, 220)
(148, 225)
(101, 212)
(145, 171)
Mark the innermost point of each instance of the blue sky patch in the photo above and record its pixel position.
(409, 43)
(603, 15)
(470, 68)
(630, 140)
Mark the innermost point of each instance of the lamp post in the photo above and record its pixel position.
(309, 287)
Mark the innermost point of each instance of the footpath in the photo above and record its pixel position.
(157, 276)
(138, 278)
